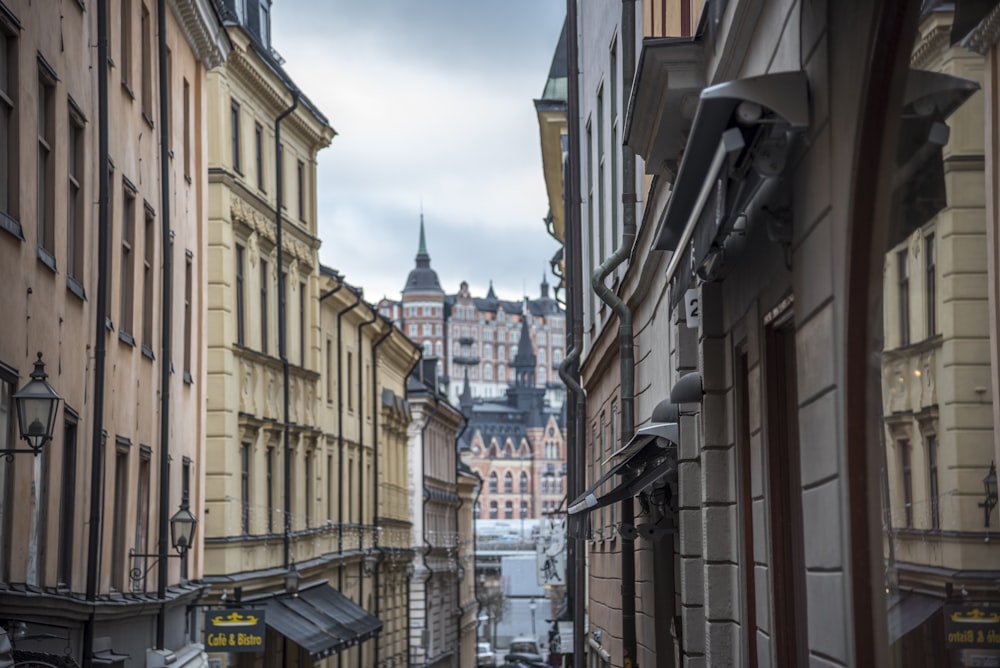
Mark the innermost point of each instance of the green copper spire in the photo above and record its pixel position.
(423, 241)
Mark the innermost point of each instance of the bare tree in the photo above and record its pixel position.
(493, 601)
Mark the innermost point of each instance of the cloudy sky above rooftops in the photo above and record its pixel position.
(432, 101)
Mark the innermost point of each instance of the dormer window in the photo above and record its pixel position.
(265, 22)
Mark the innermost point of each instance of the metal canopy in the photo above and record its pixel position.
(785, 95)
(320, 619)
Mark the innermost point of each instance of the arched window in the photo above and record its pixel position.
(524, 509)
(524, 482)
(541, 355)
(487, 351)
(508, 510)
(500, 372)
(439, 349)
(508, 483)
(493, 510)
(493, 482)
(541, 376)
(487, 372)
(501, 353)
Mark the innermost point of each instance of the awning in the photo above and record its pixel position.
(650, 461)
(784, 94)
(321, 620)
(907, 611)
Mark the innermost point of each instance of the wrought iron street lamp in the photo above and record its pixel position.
(37, 404)
(292, 580)
(990, 484)
(182, 526)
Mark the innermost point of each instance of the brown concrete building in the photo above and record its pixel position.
(103, 255)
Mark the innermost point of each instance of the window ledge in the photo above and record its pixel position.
(108, 324)
(149, 121)
(46, 258)
(188, 379)
(11, 225)
(126, 338)
(74, 286)
(128, 89)
(147, 352)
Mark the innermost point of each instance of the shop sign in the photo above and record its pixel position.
(232, 630)
(972, 626)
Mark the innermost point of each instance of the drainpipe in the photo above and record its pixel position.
(409, 584)
(375, 402)
(458, 556)
(625, 334)
(282, 325)
(165, 332)
(100, 332)
(361, 455)
(340, 428)
(569, 370)
(428, 546)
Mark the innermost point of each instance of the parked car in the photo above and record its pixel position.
(525, 645)
(485, 658)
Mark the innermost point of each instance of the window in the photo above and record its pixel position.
(111, 224)
(476, 511)
(258, 148)
(265, 22)
(493, 510)
(67, 501)
(508, 483)
(127, 263)
(301, 189)
(234, 123)
(8, 128)
(350, 375)
(188, 314)
(329, 371)
(930, 294)
(125, 52)
(270, 490)
(487, 372)
(493, 482)
(245, 488)
(613, 104)
(187, 130)
(903, 283)
(263, 305)
(302, 323)
(75, 226)
(932, 480)
(46, 163)
(169, 103)
(146, 85)
(148, 297)
(142, 501)
(524, 509)
(240, 291)
(508, 510)
(280, 174)
(329, 490)
(524, 483)
(309, 488)
(907, 473)
(120, 514)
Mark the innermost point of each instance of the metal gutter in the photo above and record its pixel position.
(340, 429)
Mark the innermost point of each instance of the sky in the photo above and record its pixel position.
(432, 102)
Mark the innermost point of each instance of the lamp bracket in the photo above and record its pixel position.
(9, 453)
(137, 573)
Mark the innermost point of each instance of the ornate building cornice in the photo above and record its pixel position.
(985, 35)
(930, 45)
(202, 30)
(265, 227)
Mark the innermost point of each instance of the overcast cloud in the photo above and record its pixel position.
(432, 101)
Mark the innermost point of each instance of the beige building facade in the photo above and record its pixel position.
(87, 570)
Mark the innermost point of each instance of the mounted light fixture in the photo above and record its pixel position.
(688, 390)
(990, 485)
(182, 527)
(37, 404)
(370, 564)
(292, 580)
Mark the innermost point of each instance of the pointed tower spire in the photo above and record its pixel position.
(525, 361)
(465, 399)
(422, 278)
(422, 248)
(492, 296)
(545, 285)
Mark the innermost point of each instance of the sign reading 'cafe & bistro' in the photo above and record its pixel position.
(972, 626)
(234, 630)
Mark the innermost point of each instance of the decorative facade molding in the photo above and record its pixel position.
(930, 45)
(202, 30)
(985, 35)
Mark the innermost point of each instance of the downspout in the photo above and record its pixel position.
(409, 584)
(361, 456)
(428, 546)
(340, 430)
(100, 332)
(375, 401)
(569, 370)
(282, 325)
(626, 354)
(458, 556)
(165, 331)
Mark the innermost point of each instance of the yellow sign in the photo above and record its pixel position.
(234, 630)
